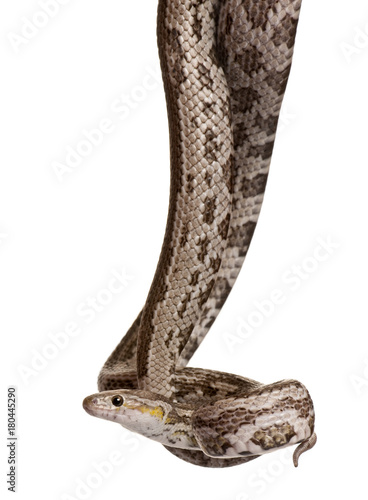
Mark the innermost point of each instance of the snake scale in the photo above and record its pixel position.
(225, 66)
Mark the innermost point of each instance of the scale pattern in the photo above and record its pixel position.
(255, 45)
(225, 67)
(271, 416)
(201, 145)
(257, 64)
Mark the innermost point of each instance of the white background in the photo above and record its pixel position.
(61, 241)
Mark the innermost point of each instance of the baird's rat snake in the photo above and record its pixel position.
(225, 66)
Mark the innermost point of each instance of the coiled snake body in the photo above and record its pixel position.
(225, 66)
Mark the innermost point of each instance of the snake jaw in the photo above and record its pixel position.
(98, 406)
(146, 413)
(138, 411)
(89, 404)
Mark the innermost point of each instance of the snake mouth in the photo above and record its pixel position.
(90, 405)
(100, 407)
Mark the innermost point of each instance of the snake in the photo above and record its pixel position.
(225, 66)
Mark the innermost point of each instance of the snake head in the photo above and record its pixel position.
(138, 411)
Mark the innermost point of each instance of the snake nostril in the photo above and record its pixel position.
(94, 401)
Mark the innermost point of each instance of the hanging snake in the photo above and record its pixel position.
(225, 66)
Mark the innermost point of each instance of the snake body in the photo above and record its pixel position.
(225, 66)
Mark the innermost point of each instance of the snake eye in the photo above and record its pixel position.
(117, 400)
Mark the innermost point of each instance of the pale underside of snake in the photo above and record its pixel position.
(225, 66)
